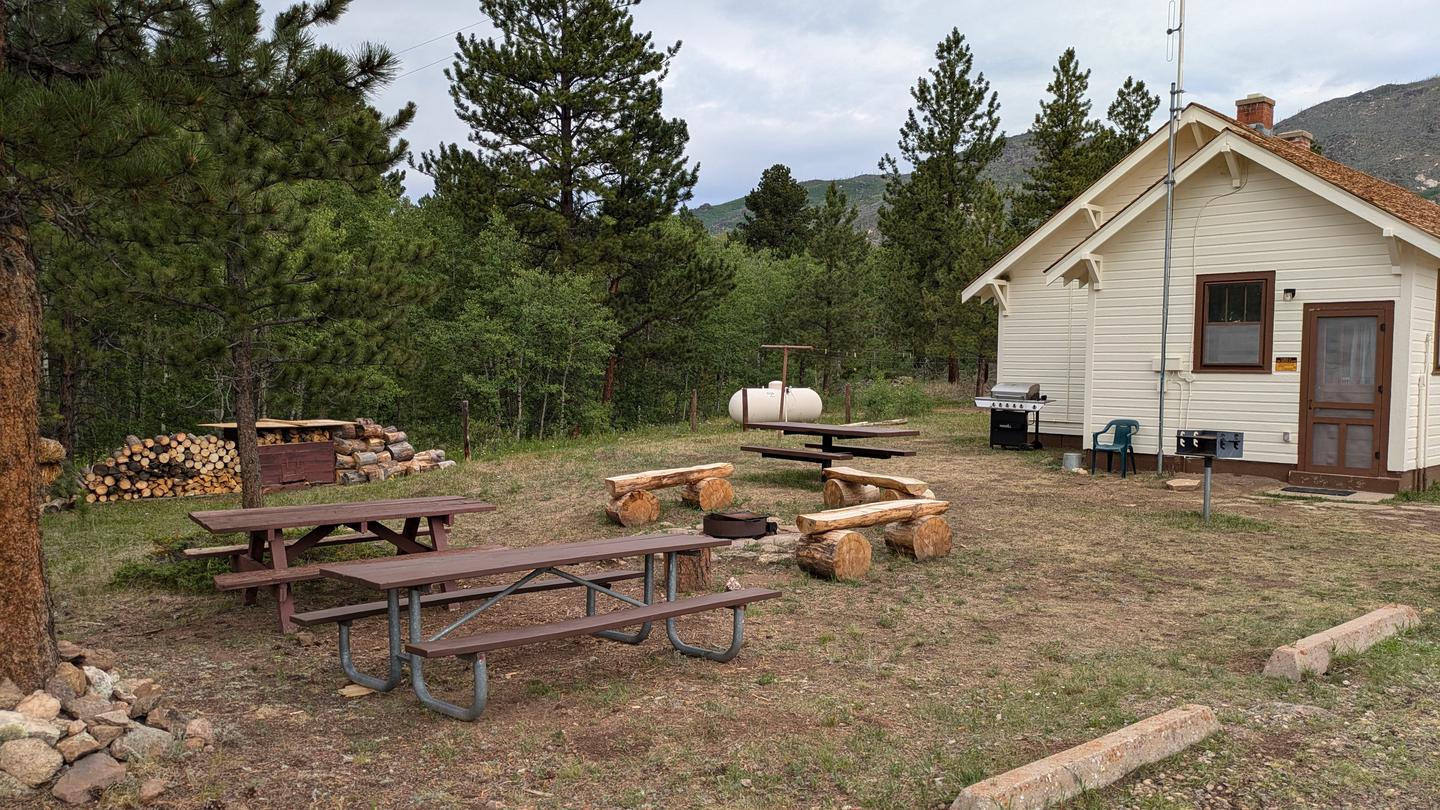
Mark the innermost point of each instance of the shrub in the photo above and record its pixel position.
(886, 399)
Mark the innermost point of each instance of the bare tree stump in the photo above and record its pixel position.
(709, 493)
(924, 538)
(634, 508)
(692, 571)
(839, 554)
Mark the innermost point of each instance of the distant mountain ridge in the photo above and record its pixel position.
(1391, 132)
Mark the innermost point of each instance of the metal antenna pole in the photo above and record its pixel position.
(1177, 92)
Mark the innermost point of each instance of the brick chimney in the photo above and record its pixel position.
(1256, 109)
(1301, 138)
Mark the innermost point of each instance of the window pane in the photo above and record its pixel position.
(1242, 302)
(1359, 446)
(1345, 370)
(1325, 445)
(1232, 344)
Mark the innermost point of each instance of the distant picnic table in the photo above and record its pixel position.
(826, 451)
(265, 560)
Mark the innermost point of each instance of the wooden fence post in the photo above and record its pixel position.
(465, 425)
(847, 403)
(744, 409)
(694, 408)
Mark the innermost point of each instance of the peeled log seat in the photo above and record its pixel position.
(913, 487)
(831, 548)
(632, 504)
(839, 554)
(923, 538)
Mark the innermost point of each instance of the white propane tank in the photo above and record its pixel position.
(801, 404)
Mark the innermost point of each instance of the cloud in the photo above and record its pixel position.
(822, 85)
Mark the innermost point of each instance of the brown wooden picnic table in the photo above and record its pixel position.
(398, 575)
(265, 560)
(826, 451)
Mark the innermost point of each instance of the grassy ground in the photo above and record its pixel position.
(1070, 607)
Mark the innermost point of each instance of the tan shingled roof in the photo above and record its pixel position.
(1394, 200)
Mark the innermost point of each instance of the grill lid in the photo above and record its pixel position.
(1015, 390)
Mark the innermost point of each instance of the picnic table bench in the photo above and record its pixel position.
(826, 451)
(544, 568)
(265, 560)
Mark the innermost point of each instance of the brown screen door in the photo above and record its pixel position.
(1345, 388)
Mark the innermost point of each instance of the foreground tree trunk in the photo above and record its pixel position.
(27, 654)
(27, 651)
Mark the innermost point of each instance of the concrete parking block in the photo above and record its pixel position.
(1312, 654)
(1091, 765)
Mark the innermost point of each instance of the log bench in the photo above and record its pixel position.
(632, 503)
(847, 486)
(831, 548)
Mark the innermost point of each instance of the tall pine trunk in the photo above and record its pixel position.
(27, 654)
(242, 357)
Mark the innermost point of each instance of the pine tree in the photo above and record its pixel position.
(950, 135)
(1129, 116)
(832, 292)
(776, 214)
(1062, 137)
(565, 113)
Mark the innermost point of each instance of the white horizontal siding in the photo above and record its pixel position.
(1269, 224)
(1042, 340)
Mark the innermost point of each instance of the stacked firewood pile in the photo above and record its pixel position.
(297, 435)
(164, 465)
(367, 451)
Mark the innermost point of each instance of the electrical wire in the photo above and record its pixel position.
(442, 36)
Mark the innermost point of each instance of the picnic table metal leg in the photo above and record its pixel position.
(615, 635)
(479, 691)
(737, 631)
(347, 661)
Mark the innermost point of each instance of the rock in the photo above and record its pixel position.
(99, 657)
(169, 719)
(68, 650)
(106, 734)
(88, 777)
(128, 688)
(67, 682)
(141, 743)
(12, 789)
(1182, 484)
(16, 726)
(112, 718)
(85, 707)
(100, 681)
(150, 790)
(39, 706)
(10, 694)
(146, 697)
(733, 584)
(73, 748)
(200, 729)
(74, 727)
(355, 690)
(305, 638)
(30, 760)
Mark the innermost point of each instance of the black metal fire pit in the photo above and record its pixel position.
(736, 525)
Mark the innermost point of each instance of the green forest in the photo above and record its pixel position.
(216, 216)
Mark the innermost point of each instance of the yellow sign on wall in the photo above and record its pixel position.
(1287, 364)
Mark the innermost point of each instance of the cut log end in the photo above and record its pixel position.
(634, 508)
(848, 493)
(709, 493)
(839, 554)
(924, 538)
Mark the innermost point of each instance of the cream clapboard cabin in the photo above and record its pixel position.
(1303, 306)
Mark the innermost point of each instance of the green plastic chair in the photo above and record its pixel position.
(1124, 429)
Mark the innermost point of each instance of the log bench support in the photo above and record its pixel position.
(632, 503)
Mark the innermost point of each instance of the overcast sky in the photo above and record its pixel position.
(822, 85)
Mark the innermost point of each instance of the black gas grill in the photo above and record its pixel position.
(1014, 415)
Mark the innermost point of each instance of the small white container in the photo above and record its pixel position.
(1070, 462)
